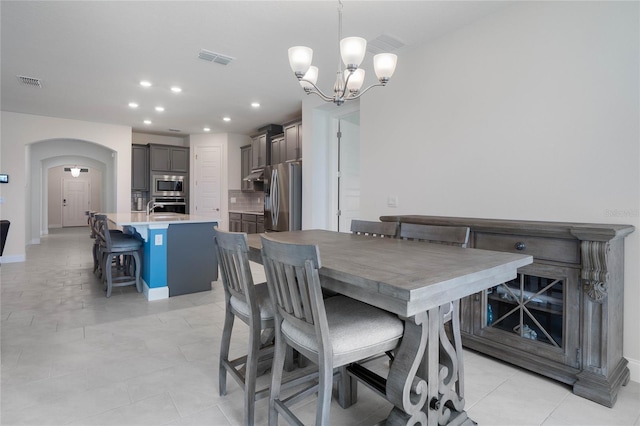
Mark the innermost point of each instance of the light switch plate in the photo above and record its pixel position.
(158, 240)
(392, 201)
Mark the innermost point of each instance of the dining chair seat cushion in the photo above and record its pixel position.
(353, 326)
(264, 303)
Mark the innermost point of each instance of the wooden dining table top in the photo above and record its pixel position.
(400, 276)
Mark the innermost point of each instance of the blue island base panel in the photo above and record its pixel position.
(154, 271)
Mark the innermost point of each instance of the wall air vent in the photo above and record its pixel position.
(68, 169)
(174, 130)
(383, 44)
(218, 58)
(29, 81)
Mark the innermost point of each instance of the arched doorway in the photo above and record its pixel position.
(48, 154)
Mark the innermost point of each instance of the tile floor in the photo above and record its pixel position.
(70, 356)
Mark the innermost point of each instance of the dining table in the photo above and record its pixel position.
(422, 283)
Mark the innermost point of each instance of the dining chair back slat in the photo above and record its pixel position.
(372, 228)
(446, 235)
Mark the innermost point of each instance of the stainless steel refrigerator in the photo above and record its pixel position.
(283, 197)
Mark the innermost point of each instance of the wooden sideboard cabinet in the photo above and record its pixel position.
(562, 316)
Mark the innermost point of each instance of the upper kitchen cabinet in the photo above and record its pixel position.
(245, 161)
(259, 151)
(139, 168)
(261, 146)
(168, 158)
(278, 149)
(293, 141)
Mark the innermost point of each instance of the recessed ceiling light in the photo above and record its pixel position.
(176, 89)
(255, 104)
(147, 121)
(226, 119)
(159, 108)
(133, 105)
(145, 83)
(206, 129)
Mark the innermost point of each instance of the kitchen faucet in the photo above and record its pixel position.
(150, 207)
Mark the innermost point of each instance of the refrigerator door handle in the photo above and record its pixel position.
(275, 199)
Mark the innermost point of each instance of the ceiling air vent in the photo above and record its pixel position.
(218, 58)
(383, 44)
(29, 81)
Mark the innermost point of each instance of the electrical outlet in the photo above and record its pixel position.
(158, 240)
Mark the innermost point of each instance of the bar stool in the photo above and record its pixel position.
(93, 226)
(114, 246)
(374, 229)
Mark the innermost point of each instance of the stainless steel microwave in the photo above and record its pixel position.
(169, 186)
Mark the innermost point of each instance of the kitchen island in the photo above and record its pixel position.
(178, 256)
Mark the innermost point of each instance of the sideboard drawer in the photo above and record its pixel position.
(556, 249)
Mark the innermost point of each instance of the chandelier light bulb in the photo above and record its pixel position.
(354, 79)
(352, 51)
(310, 78)
(300, 59)
(384, 65)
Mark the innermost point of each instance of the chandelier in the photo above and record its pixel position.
(348, 81)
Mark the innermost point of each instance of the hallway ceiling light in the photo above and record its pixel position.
(348, 81)
(75, 171)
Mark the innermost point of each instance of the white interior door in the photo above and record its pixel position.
(349, 176)
(208, 181)
(75, 202)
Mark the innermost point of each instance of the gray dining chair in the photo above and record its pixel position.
(447, 235)
(373, 228)
(332, 333)
(251, 304)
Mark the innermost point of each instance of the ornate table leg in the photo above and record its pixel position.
(427, 351)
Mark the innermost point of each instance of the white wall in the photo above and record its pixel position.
(145, 138)
(531, 113)
(18, 132)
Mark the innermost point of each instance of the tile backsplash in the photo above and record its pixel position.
(245, 201)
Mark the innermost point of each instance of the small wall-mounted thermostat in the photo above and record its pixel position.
(4, 178)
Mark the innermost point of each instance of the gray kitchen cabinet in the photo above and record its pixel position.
(293, 141)
(562, 315)
(261, 146)
(278, 150)
(259, 151)
(245, 168)
(235, 222)
(249, 223)
(260, 224)
(139, 168)
(168, 158)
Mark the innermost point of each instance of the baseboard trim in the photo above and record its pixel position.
(634, 369)
(156, 293)
(16, 258)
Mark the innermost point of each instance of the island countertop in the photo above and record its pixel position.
(141, 218)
